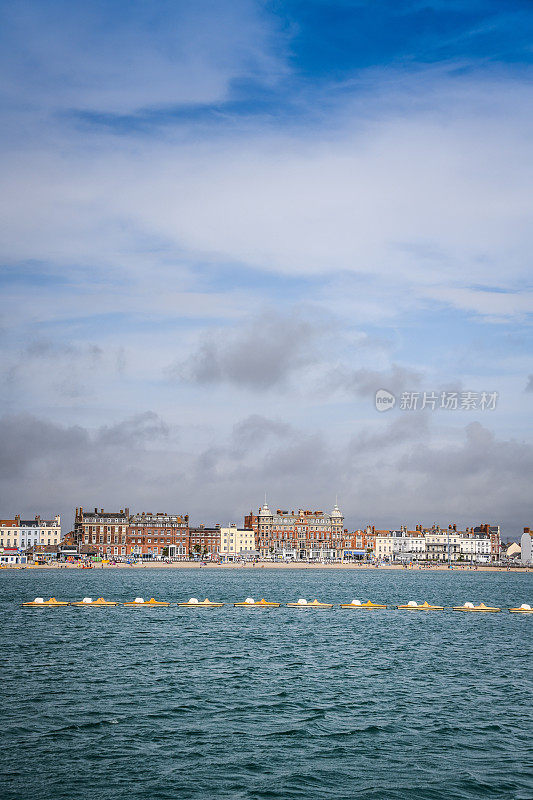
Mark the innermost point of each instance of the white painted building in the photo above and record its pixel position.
(236, 543)
(475, 549)
(401, 546)
(526, 543)
(39, 531)
(11, 556)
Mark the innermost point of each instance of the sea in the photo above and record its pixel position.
(265, 704)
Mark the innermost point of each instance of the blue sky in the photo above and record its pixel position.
(226, 225)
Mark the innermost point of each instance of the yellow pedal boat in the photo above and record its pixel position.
(39, 602)
(88, 601)
(360, 605)
(472, 607)
(523, 609)
(195, 603)
(305, 604)
(412, 605)
(250, 602)
(140, 603)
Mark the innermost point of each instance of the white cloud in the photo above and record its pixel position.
(93, 57)
(415, 198)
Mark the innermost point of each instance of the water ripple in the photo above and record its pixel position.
(278, 706)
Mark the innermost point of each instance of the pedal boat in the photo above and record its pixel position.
(471, 607)
(250, 602)
(139, 602)
(523, 609)
(88, 601)
(358, 604)
(39, 602)
(301, 603)
(412, 605)
(195, 603)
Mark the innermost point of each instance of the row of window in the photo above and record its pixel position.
(28, 544)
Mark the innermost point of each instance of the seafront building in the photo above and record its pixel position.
(363, 542)
(204, 542)
(19, 536)
(403, 545)
(237, 543)
(9, 551)
(158, 535)
(106, 531)
(526, 546)
(297, 536)
(301, 535)
(33, 532)
(476, 547)
(479, 545)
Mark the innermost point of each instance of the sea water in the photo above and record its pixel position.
(244, 703)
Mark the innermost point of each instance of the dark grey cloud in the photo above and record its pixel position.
(400, 471)
(62, 369)
(529, 385)
(25, 439)
(261, 354)
(133, 432)
(48, 468)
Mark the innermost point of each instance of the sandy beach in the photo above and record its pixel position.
(265, 565)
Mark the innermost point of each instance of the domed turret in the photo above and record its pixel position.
(336, 513)
(265, 511)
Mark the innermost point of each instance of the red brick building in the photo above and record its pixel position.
(297, 536)
(105, 530)
(364, 539)
(158, 535)
(204, 542)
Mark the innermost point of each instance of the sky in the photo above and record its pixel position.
(226, 226)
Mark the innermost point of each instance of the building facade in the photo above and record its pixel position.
(475, 548)
(17, 535)
(11, 555)
(33, 532)
(204, 542)
(297, 536)
(493, 533)
(237, 543)
(443, 544)
(403, 546)
(9, 534)
(158, 536)
(104, 530)
(526, 547)
(362, 542)
(479, 545)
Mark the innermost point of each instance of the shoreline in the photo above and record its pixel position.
(264, 565)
